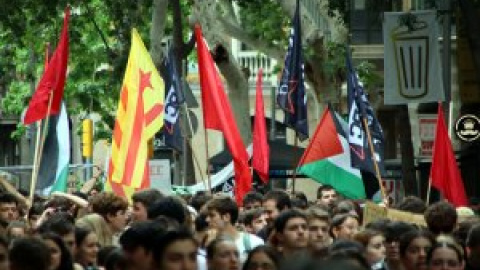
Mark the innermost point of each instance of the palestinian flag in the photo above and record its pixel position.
(53, 171)
(327, 157)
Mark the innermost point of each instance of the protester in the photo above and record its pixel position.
(254, 220)
(252, 200)
(394, 231)
(176, 249)
(473, 247)
(222, 254)
(299, 200)
(441, 218)
(87, 247)
(414, 247)
(8, 207)
(61, 225)
(29, 254)
(262, 257)
(318, 226)
(60, 257)
(274, 202)
(291, 232)
(142, 200)
(375, 250)
(446, 255)
(344, 226)
(17, 229)
(411, 204)
(326, 195)
(116, 260)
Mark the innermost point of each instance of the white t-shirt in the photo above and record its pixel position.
(245, 243)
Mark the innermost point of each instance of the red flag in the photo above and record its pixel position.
(53, 79)
(217, 114)
(444, 173)
(261, 150)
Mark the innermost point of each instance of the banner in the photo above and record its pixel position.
(412, 63)
(373, 212)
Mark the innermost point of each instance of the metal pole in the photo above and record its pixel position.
(273, 105)
(446, 54)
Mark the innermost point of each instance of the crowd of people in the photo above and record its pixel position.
(275, 230)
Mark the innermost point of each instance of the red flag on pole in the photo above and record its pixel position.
(444, 173)
(217, 114)
(261, 150)
(53, 80)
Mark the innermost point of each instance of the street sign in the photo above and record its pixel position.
(427, 124)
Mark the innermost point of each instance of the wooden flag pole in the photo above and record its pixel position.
(429, 190)
(40, 141)
(375, 164)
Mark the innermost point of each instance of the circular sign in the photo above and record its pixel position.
(467, 128)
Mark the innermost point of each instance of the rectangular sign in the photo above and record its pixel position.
(160, 175)
(427, 125)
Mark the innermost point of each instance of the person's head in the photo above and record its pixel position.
(29, 254)
(112, 208)
(274, 202)
(223, 254)
(414, 247)
(176, 250)
(87, 246)
(116, 260)
(344, 226)
(199, 200)
(8, 207)
(61, 204)
(17, 229)
(374, 243)
(299, 200)
(103, 253)
(3, 253)
(326, 195)
(138, 243)
(169, 207)
(142, 200)
(394, 230)
(461, 232)
(252, 200)
(34, 214)
(412, 204)
(348, 251)
(254, 220)
(441, 217)
(473, 245)
(222, 212)
(61, 225)
(292, 230)
(262, 257)
(60, 257)
(446, 255)
(318, 226)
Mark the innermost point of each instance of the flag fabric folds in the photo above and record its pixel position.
(172, 134)
(139, 116)
(52, 81)
(360, 109)
(53, 170)
(444, 173)
(327, 157)
(218, 115)
(261, 150)
(291, 95)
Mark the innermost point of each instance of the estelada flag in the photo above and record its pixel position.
(139, 117)
(52, 81)
(218, 115)
(444, 172)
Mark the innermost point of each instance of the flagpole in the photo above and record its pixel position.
(294, 176)
(40, 141)
(375, 164)
(429, 190)
(208, 161)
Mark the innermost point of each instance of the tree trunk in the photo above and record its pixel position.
(405, 136)
(159, 16)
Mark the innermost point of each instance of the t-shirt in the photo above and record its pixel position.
(245, 243)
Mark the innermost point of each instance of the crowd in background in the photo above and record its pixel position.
(275, 230)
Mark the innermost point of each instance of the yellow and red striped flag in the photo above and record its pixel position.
(139, 117)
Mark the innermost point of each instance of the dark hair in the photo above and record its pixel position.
(162, 242)
(81, 234)
(199, 200)
(66, 260)
(443, 244)
(281, 198)
(116, 260)
(473, 238)
(59, 224)
(170, 207)
(339, 219)
(252, 197)
(147, 197)
(441, 217)
(344, 245)
(364, 237)
(379, 225)
(271, 253)
(224, 205)
(103, 253)
(6, 197)
(299, 200)
(108, 203)
(36, 209)
(281, 221)
(323, 188)
(201, 223)
(396, 229)
(412, 204)
(407, 238)
(343, 260)
(29, 254)
(318, 212)
(61, 203)
(141, 234)
(252, 214)
(212, 246)
(463, 228)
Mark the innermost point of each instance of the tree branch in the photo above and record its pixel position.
(188, 47)
(230, 12)
(102, 36)
(269, 49)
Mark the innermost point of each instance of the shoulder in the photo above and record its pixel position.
(255, 240)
